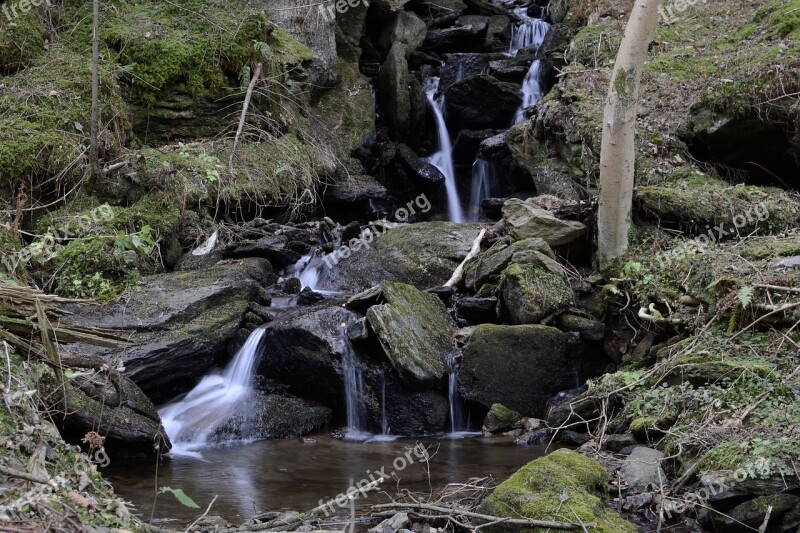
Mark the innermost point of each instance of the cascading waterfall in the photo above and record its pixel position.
(456, 414)
(443, 159)
(531, 90)
(484, 185)
(353, 391)
(528, 34)
(384, 422)
(190, 422)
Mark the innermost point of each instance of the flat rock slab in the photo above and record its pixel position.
(642, 468)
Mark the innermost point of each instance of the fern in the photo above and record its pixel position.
(745, 296)
(264, 48)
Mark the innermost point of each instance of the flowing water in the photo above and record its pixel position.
(353, 391)
(192, 420)
(484, 185)
(280, 474)
(531, 90)
(528, 34)
(443, 158)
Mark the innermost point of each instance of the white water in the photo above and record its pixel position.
(189, 422)
(529, 33)
(531, 90)
(353, 391)
(456, 415)
(443, 159)
(484, 184)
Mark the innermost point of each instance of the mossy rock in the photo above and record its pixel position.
(531, 293)
(487, 266)
(415, 331)
(537, 489)
(21, 39)
(499, 417)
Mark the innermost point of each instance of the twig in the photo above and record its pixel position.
(8, 364)
(479, 516)
(23, 475)
(763, 527)
(243, 117)
(780, 309)
(190, 526)
(459, 271)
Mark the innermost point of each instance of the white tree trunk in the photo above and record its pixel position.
(618, 149)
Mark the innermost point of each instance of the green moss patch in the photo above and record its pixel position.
(21, 40)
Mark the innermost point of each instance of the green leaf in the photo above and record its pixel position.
(78, 127)
(745, 296)
(181, 496)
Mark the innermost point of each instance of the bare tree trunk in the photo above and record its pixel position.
(93, 149)
(618, 149)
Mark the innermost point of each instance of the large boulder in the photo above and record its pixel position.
(178, 325)
(560, 486)
(521, 367)
(304, 352)
(415, 331)
(487, 266)
(423, 255)
(106, 402)
(524, 220)
(456, 39)
(273, 416)
(531, 293)
(480, 103)
(393, 93)
(406, 28)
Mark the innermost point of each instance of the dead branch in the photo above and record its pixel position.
(243, 117)
(459, 271)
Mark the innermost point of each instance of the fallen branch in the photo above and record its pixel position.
(459, 272)
(23, 475)
(469, 514)
(245, 106)
(780, 309)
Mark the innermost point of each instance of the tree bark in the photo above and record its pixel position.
(618, 148)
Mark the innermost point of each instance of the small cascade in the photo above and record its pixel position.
(528, 34)
(531, 90)
(456, 411)
(443, 159)
(353, 391)
(190, 422)
(384, 422)
(484, 185)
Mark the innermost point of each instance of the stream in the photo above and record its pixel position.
(296, 473)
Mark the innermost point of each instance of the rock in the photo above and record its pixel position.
(487, 7)
(292, 286)
(557, 9)
(569, 406)
(406, 28)
(460, 66)
(415, 173)
(391, 524)
(305, 344)
(109, 404)
(423, 255)
(510, 70)
(415, 331)
(750, 515)
(617, 442)
(179, 323)
(395, 102)
(536, 491)
(523, 221)
(467, 144)
(498, 34)
(272, 248)
(478, 23)
(308, 297)
(455, 39)
(272, 416)
(351, 231)
(521, 367)
(355, 189)
(481, 103)
(642, 468)
(499, 418)
(487, 266)
(573, 438)
(358, 331)
(530, 293)
(477, 310)
(419, 413)
(587, 328)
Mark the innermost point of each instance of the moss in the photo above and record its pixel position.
(538, 489)
(21, 40)
(595, 46)
(532, 294)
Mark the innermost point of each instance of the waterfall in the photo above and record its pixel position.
(484, 185)
(531, 90)
(384, 422)
(456, 415)
(189, 422)
(353, 391)
(530, 33)
(443, 159)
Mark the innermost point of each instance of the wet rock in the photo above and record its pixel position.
(481, 103)
(617, 442)
(455, 39)
(510, 70)
(642, 468)
(109, 404)
(292, 286)
(307, 297)
(419, 413)
(355, 189)
(423, 255)
(750, 515)
(524, 220)
(477, 310)
(406, 28)
(180, 324)
(272, 248)
(460, 66)
(573, 438)
(536, 491)
(535, 437)
(499, 418)
(521, 367)
(415, 332)
(467, 144)
(530, 293)
(415, 172)
(306, 344)
(395, 102)
(358, 331)
(272, 416)
(498, 34)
